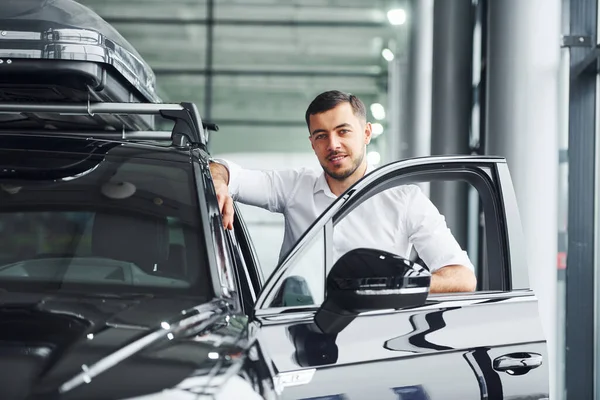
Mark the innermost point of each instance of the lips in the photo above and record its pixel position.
(337, 158)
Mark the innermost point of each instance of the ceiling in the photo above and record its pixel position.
(266, 61)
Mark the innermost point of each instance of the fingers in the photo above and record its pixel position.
(228, 212)
(221, 198)
(225, 205)
(222, 193)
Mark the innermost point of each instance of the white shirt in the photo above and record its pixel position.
(393, 220)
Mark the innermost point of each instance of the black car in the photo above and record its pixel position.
(118, 280)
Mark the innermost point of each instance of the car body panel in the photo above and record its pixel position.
(439, 347)
(66, 343)
(57, 344)
(85, 346)
(332, 212)
(446, 348)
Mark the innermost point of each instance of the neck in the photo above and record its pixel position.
(338, 187)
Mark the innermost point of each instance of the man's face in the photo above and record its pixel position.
(338, 138)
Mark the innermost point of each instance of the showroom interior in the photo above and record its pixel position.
(515, 78)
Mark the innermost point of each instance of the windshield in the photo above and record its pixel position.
(109, 220)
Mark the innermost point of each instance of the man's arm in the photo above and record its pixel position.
(265, 189)
(219, 172)
(452, 270)
(453, 278)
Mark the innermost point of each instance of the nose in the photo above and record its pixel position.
(334, 143)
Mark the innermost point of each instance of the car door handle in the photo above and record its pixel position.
(517, 363)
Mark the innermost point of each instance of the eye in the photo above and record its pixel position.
(320, 137)
(344, 131)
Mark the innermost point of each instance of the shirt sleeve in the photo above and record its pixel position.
(261, 188)
(429, 234)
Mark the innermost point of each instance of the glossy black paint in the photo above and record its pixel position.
(57, 344)
(365, 280)
(67, 345)
(49, 341)
(60, 50)
(440, 350)
(483, 345)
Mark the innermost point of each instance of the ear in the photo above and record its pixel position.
(368, 132)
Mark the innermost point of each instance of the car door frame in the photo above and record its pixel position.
(249, 278)
(517, 276)
(516, 290)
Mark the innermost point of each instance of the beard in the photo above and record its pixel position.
(342, 175)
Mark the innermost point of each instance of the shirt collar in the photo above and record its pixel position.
(321, 183)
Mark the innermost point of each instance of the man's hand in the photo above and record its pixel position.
(221, 180)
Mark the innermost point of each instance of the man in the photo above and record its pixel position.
(339, 134)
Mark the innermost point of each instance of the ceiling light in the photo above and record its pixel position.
(387, 54)
(378, 111)
(377, 129)
(396, 16)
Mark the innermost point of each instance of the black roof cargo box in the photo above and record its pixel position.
(61, 51)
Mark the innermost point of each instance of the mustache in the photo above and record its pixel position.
(335, 154)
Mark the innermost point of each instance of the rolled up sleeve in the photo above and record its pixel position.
(268, 189)
(429, 233)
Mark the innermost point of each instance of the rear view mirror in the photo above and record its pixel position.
(369, 280)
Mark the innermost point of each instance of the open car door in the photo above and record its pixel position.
(363, 325)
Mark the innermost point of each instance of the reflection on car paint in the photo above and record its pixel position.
(413, 392)
(422, 324)
(490, 384)
(416, 392)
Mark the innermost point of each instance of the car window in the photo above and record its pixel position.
(304, 284)
(401, 218)
(108, 223)
(417, 193)
(266, 229)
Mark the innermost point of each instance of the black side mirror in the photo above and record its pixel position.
(313, 348)
(370, 280)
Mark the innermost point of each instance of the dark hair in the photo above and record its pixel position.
(328, 100)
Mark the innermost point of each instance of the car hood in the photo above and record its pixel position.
(63, 347)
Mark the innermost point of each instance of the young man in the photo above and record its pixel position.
(395, 219)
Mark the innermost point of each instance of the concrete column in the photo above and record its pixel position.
(523, 109)
(397, 136)
(419, 84)
(452, 103)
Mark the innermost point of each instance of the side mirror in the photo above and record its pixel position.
(312, 347)
(369, 280)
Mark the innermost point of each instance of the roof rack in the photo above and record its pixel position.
(188, 127)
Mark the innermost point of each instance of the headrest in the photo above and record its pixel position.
(132, 238)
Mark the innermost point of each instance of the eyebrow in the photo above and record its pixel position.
(344, 125)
